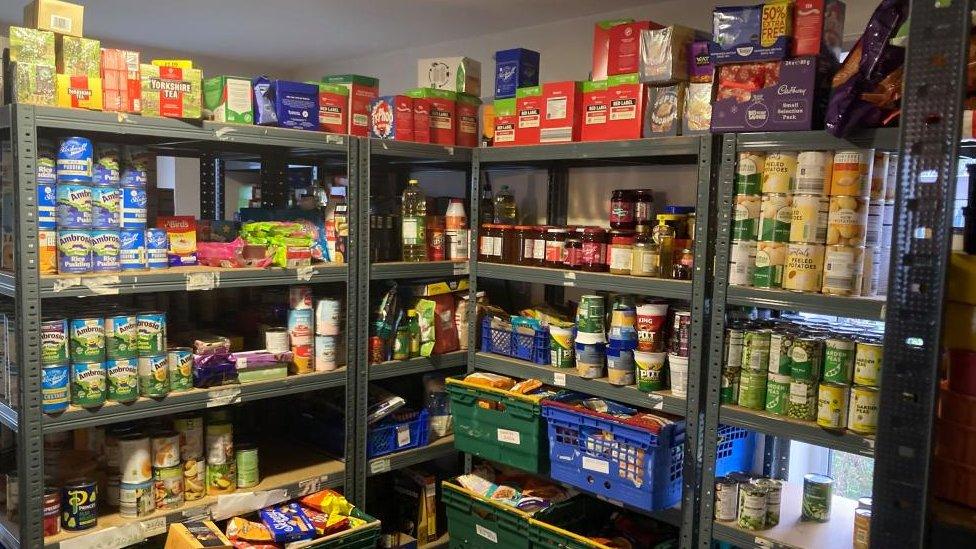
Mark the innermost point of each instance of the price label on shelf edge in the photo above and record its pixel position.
(559, 379)
(378, 466)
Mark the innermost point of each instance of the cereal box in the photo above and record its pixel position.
(515, 68)
(456, 74)
(56, 16)
(506, 122)
(333, 107)
(285, 104)
(442, 116)
(421, 114)
(182, 233)
(79, 92)
(528, 104)
(33, 84)
(562, 112)
(467, 120)
(391, 117)
(171, 92)
(78, 56)
(595, 111)
(32, 46)
(228, 99)
(121, 84)
(362, 90)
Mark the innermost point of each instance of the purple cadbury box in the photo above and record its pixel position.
(796, 102)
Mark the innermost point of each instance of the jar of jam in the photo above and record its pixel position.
(574, 250)
(486, 243)
(555, 247)
(509, 249)
(621, 252)
(524, 245)
(539, 245)
(677, 216)
(594, 241)
(622, 209)
(646, 257)
(682, 268)
(643, 207)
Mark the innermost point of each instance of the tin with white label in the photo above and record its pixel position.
(726, 499)
(328, 312)
(813, 169)
(843, 269)
(748, 173)
(742, 262)
(276, 340)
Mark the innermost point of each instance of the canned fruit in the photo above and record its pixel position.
(221, 478)
(770, 263)
(804, 267)
(165, 449)
(867, 363)
(863, 417)
(843, 270)
(88, 384)
(748, 173)
(847, 218)
(879, 175)
(808, 219)
(168, 487)
(123, 379)
(136, 500)
(190, 428)
(813, 171)
(79, 505)
(775, 216)
(194, 479)
(778, 172)
(135, 459)
(745, 217)
(851, 173)
(832, 403)
(220, 443)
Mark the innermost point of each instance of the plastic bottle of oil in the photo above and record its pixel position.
(506, 212)
(414, 222)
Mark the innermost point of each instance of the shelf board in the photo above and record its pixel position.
(657, 287)
(661, 400)
(422, 365)
(419, 152)
(194, 399)
(288, 471)
(176, 279)
(595, 152)
(398, 460)
(415, 269)
(9, 535)
(795, 429)
(881, 138)
(851, 307)
(791, 532)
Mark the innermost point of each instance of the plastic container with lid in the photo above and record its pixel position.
(573, 250)
(646, 257)
(555, 247)
(594, 247)
(621, 253)
(622, 203)
(525, 237)
(643, 207)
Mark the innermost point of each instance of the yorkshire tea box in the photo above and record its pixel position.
(171, 92)
(56, 16)
(31, 46)
(78, 56)
(32, 84)
(80, 92)
(228, 99)
(121, 84)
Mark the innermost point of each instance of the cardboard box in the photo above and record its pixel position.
(196, 534)
(442, 116)
(391, 117)
(487, 122)
(32, 46)
(665, 106)
(623, 56)
(467, 120)
(33, 84)
(794, 98)
(78, 56)
(596, 111)
(664, 54)
(421, 114)
(625, 94)
(601, 46)
(362, 91)
(528, 104)
(700, 68)
(506, 123)
(79, 92)
(514, 69)
(121, 83)
(818, 28)
(171, 92)
(228, 99)
(55, 16)
(742, 34)
(456, 74)
(333, 107)
(285, 104)
(416, 492)
(562, 112)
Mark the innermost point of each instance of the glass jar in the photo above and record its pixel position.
(683, 267)
(621, 252)
(663, 235)
(555, 247)
(573, 250)
(622, 209)
(691, 226)
(643, 207)
(646, 257)
(509, 249)
(678, 218)
(594, 241)
(524, 245)
(486, 243)
(539, 245)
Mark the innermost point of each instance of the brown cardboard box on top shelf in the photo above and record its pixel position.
(55, 16)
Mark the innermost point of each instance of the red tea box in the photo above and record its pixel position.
(625, 94)
(818, 28)
(421, 114)
(79, 92)
(506, 122)
(528, 106)
(596, 111)
(362, 91)
(601, 46)
(333, 108)
(624, 51)
(121, 83)
(467, 120)
(442, 116)
(172, 92)
(562, 119)
(391, 117)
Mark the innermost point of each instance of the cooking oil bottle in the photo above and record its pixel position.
(414, 222)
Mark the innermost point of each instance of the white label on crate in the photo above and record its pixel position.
(569, 283)
(223, 396)
(598, 465)
(102, 285)
(486, 533)
(154, 527)
(614, 502)
(201, 281)
(559, 379)
(378, 466)
(403, 435)
(239, 503)
(61, 284)
(511, 437)
(304, 273)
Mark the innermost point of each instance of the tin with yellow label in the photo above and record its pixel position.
(832, 402)
(863, 417)
(851, 173)
(808, 219)
(867, 363)
(804, 267)
(778, 172)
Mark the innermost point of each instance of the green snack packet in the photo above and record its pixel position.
(425, 317)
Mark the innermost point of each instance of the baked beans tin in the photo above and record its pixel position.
(726, 499)
(777, 393)
(813, 169)
(843, 269)
(867, 363)
(879, 175)
(838, 361)
(79, 504)
(770, 262)
(847, 219)
(851, 173)
(748, 173)
(808, 219)
(803, 400)
(742, 262)
(775, 216)
(165, 447)
(863, 417)
(137, 499)
(168, 486)
(778, 172)
(745, 218)
(804, 267)
(180, 361)
(806, 358)
(832, 403)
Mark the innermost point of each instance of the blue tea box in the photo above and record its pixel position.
(285, 104)
(515, 68)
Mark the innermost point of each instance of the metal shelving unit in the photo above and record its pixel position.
(803, 431)
(406, 269)
(441, 447)
(422, 365)
(782, 300)
(657, 287)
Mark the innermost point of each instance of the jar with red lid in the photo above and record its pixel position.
(622, 209)
(573, 250)
(539, 250)
(509, 251)
(555, 247)
(525, 245)
(620, 256)
(594, 248)
(643, 207)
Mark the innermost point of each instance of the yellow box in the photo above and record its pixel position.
(196, 534)
(175, 63)
(777, 20)
(56, 16)
(962, 278)
(80, 92)
(438, 288)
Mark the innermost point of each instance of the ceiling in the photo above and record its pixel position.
(290, 33)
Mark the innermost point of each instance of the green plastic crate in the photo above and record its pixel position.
(363, 537)
(512, 433)
(557, 527)
(475, 522)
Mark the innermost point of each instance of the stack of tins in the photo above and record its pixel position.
(955, 432)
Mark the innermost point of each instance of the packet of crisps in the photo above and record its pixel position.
(287, 523)
(329, 502)
(243, 529)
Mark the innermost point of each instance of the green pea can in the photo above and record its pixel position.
(151, 333)
(153, 376)
(87, 336)
(818, 491)
(774, 499)
(752, 507)
(838, 360)
(729, 393)
(123, 379)
(121, 336)
(755, 350)
(803, 400)
(780, 343)
(54, 341)
(752, 390)
(88, 384)
(180, 365)
(806, 358)
(777, 393)
(246, 456)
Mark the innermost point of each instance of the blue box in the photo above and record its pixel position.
(285, 104)
(515, 68)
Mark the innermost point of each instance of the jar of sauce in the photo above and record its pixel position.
(486, 243)
(594, 240)
(555, 247)
(539, 245)
(509, 250)
(646, 257)
(574, 250)
(524, 245)
(622, 209)
(643, 207)
(621, 253)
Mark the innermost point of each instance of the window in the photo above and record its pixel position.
(853, 475)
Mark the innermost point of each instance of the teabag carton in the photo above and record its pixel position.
(467, 120)
(121, 85)
(443, 111)
(818, 28)
(506, 122)
(391, 117)
(528, 103)
(285, 104)
(514, 69)
(228, 99)
(32, 84)
(32, 46)
(362, 90)
(563, 112)
(456, 74)
(601, 46)
(171, 92)
(624, 52)
(421, 114)
(79, 92)
(78, 56)
(333, 107)
(625, 93)
(596, 110)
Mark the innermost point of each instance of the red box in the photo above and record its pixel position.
(362, 91)
(506, 123)
(333, 108)
(391, 117)
(528, 107)
(818, 27)
(421, 114)
(596, 111)
(601, 46)
(121, 81)
(442, 115)
(563, 115)
(467, 120)
(623, 56)
(625, 94)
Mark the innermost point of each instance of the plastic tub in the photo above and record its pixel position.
(678, 368)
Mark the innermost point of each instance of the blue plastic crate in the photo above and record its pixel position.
(734, 450)
(615, 458)
(388, 435)
(511, 343)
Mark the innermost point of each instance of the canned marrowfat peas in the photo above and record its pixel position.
(847, 219)
(775, 216)
(806, 358)
(808, 219)
(863, 417)
(748, 173)
(867, 363)
(745, 217)
(752, 507)
(813, 169)
(803, 400)
(804, 267)
(774, 499)
(742, 262)
(843, 270)
(778, 172)
(832, 402)
(851, 173)
(726, 499)
(770, 263)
